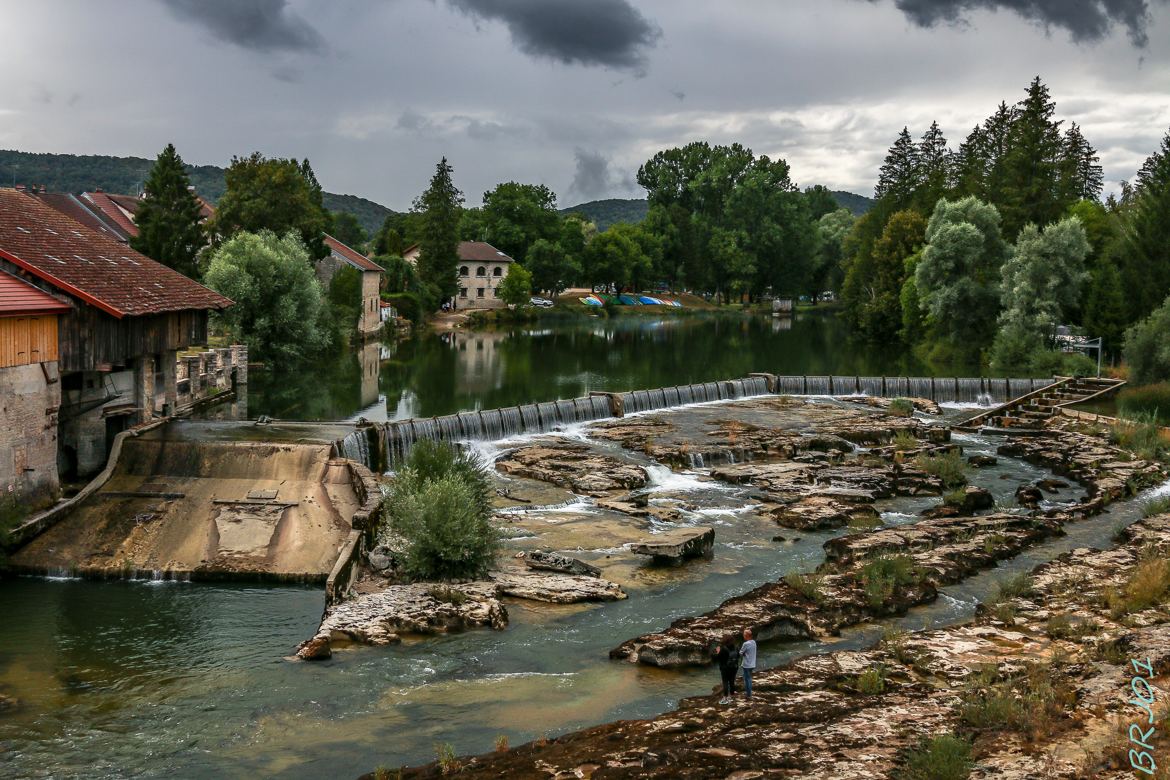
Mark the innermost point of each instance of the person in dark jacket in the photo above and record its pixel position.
(727, 659)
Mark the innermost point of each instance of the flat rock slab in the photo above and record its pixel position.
(575, 467)
(678, 545)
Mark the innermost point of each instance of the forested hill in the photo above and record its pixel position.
(613, 210)
(81, 172)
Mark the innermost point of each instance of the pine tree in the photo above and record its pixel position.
(898, 178)
(995, 145)
(933, 168)
(440, 208)
(1145, 241)
(1105, 310)
(1081, 175)
(968, 166)
(1031, 163)
(169, 221)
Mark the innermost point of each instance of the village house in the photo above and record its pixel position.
(125, 318)
(482, 268)
(341, 256)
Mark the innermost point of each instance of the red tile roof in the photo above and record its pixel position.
(92, 266)
(351, 256)
(481, 252)
(18, 297)
(113, 211)
(72, 207)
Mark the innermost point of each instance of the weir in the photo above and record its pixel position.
(381, 445)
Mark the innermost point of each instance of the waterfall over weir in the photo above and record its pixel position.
(380, 446)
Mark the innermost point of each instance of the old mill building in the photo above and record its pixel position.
(89, 331)
(481, 269)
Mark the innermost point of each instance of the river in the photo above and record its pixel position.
(171, 679)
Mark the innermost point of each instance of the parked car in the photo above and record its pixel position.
(543, 303)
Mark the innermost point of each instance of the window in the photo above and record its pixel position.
(479, 293)
(481, 271)
(462, 292)
(463, 270)
(498, 272)
(495, 293)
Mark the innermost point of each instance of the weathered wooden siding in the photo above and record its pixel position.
(27, 340)
(91, 339)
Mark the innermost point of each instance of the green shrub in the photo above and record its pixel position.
(894, 640)
(409, 305)
(1147, 351)
(901, 407)
(883, 576)
(944, 757)
(1152, 400)
(440, 505)
(1051, 363)
(1148, 586)
(948, 467)
(1069, 627)
(1029, 704)
(445, 754)
(904, 441)
(807, 585)
(872, 681)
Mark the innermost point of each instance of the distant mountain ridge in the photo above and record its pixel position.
(611, 211)
(81, 172)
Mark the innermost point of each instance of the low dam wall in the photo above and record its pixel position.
(381, 445)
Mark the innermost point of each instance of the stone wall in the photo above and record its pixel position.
(30, 397)
(371, 319)
(201, 375)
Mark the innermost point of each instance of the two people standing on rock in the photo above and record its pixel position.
(731, 659)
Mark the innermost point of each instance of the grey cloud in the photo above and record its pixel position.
(609, 33)
(593, 178)
(1086, 21)
(266, 25)
(412, 121)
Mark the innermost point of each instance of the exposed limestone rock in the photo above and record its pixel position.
(924, 405)
(664, 514)
(678, 545)
(808, 721)
(982, 461)
(573, 466)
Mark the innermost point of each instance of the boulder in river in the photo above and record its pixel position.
(551, 561)
(982, 461)
(678, 545)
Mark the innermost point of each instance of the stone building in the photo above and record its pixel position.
(118, 342)
(482, 268)
(30, 392)
(341, 256)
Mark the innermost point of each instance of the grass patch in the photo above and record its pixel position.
(807, 585)
(944, 757)
(1070, 627)
(445, 755)
(1152, 400)
(1001, 605)
(956, 497)
(502, 743)
(894, 640)
(448, 595)
(1141, 434)
(905, 441)
(1156, 506)
(901, 407)
(948, 467)
(1030, 704)
(864, 522)
(872, 682)
(1148, 586)
(1113, 652)
(992, 543)
(883, 576)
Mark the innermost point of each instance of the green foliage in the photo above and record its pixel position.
(904, 441)
(872, 290)
(439, 210)
(445, 757)
(832, 230)
(1150, 400)
(516, 215)
(169, 219)
(944, 757)
(1148, 585)
(279, 309)
(948, 467)
(407, 304)
(884, 576)
(447, 594)
(1147, 348)
(872, 682)
(1144, 247)
(345, 296)
(1140, 434)
(441, 505)
(277, 195)
(807, 585)
(609, 212)
(1041, 283)
(552, 269)
(616, 258)
(958, 278)
(901, 407)
(516, 288)
(1030, 704)
(348, 230)
(1030, 173)
(1070, 627)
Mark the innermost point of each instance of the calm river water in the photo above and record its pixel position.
(142, 679)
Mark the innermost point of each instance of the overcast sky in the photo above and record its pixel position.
(574, 94)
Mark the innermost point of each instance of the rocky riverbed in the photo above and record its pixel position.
(1039, 686)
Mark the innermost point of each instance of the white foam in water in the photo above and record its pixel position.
(664, 478)
(1160, 491)
(965, 405)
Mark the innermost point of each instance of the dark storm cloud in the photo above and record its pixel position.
(610, 33)
(592, 179)
(266, 25)
(1086, 20)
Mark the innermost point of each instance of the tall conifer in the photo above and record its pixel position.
(169, 219)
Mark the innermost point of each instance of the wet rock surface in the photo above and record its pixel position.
(551, 561)
(809, 720)
(573, 466)
(678, 545)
